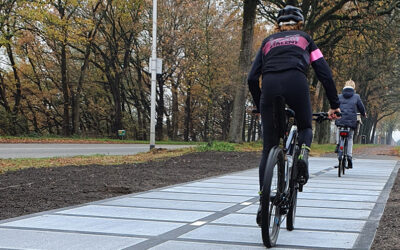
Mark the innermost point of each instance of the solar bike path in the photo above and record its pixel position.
(217, 213)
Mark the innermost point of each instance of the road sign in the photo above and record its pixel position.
(158, 65)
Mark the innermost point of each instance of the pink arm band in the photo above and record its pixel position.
(315, 55)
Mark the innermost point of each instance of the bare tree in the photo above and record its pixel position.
(249, 16)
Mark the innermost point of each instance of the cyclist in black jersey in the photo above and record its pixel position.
(282, 61)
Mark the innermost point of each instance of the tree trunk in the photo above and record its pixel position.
(65, 90)
(160, 109)
(244, 127)
(249, 15)
(34, 118)
(372, 140)
(323, 130)
(169, 127)
(206, 136)
(226, 111)
(76, 103)
(366, 130)
(77, 95)
(3, 96)
(188, 111)
(389, 136)
(175, 110)
(250, 129)
(255, 127)
(139, 134)
(114, 83)
(17, 94)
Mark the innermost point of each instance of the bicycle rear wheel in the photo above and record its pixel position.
(344, 159)
(273, 186)
(340, 167)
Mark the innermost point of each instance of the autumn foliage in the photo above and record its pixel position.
(81, 67)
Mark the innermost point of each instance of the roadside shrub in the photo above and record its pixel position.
(217, 146)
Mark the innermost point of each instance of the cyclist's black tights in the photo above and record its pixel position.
(293, 86)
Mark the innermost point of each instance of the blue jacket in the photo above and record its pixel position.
(350, 105)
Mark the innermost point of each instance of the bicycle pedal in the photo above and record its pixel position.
(301, 181)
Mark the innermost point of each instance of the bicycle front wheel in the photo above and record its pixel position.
(290, 218)
(274, 180)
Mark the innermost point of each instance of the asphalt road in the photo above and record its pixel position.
(32, 150)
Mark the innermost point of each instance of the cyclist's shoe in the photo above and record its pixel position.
(302, 165)
(349, 162)
(337, 148)
(258, 219)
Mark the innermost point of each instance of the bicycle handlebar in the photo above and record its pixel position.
(319, 117)
(323, 116)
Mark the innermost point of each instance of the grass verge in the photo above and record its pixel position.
(320, 149)
(229, 147)
(397, 150)
(156, 154)
(55, 139)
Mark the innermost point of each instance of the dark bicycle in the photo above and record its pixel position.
(344, 133)
(281, 182)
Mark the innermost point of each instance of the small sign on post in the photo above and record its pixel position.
(121, 133)
(158, 65)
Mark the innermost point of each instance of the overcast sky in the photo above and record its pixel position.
(396, 135)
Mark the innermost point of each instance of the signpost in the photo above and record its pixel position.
(121, 133)
(153, 67)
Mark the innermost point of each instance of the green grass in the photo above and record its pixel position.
(364, 145)
(230, 147)
(154, 155)
(60, 139)
(217, 146)
(316, 149)
(16, 164)
(320, 149)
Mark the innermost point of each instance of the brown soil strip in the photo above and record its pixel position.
(57, 187)
(388, 232)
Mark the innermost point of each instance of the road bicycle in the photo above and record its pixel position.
(344, 133)
(281, 182)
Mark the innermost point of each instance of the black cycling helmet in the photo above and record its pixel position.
(290, 13)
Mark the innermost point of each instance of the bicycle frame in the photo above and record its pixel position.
(290, 150)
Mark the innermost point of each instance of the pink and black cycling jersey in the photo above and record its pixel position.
(289, 50)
